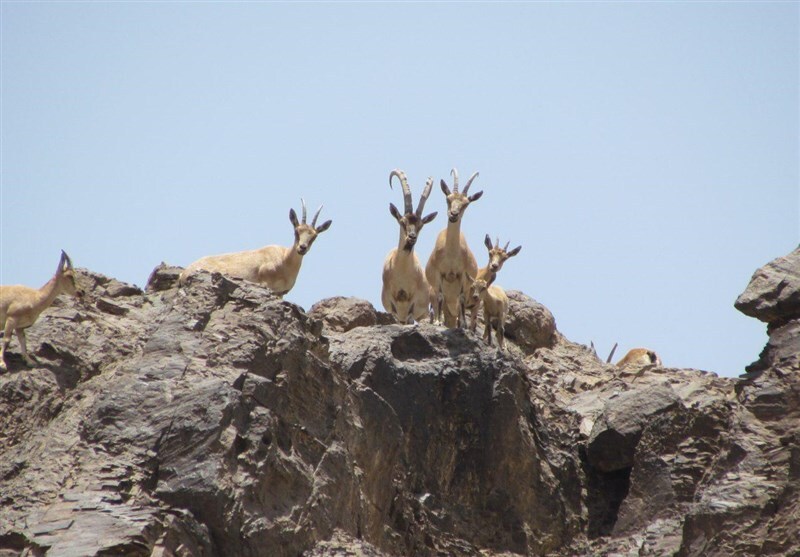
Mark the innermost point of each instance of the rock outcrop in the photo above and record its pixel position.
(216, 419)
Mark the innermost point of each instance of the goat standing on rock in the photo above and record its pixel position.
(276, 267)
(20, 306)
(497, 256)
(406, 293)
(495, 308)
(451, 259)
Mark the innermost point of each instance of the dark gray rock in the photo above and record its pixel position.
(617, 429)
(530, 325)
(217, 419)
(163, 278)
(341, 314)
(773, 295)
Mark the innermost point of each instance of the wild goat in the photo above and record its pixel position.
(497, 256)
(638, 357)
(406, 293)
(273, 266)
(20, 306)
(495, 308)
(451, 259)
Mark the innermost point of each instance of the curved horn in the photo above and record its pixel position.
(497, 241)
(406, 190)
(316, 215)
(303, 203)
(64, 260)
(425, 193)
(454, 173)
(469, 182)
(505, 248)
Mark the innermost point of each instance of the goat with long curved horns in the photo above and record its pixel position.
(406, 293)
(451, 259)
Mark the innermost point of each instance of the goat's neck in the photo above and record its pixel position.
(47, 293)
(452, 242)
(292, 260)
(485, 273)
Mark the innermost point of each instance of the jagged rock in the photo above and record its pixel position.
(530, 325)
(340, 314)
(217, 419)
(163, 278)
(773, 295)
(616, 431)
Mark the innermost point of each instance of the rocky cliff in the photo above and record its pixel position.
(218, 420)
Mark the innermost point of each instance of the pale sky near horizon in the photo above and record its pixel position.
(644, 154)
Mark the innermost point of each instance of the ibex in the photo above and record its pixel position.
(637, 357)
(497, 256)
(20, 306)
(406, 293)
(451, 258)
(273, 266)
(495, 308)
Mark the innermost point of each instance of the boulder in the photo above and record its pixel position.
(773, 295)
(340, 314)
(530, 325)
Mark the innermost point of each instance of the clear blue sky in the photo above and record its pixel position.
(644, 154)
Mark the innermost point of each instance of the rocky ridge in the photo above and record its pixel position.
(219, 420)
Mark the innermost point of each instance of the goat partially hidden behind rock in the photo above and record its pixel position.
(20, 306)
(495, 308)
(497, 256)
(276, 267)
(638, 357)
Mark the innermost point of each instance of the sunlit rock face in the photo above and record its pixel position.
(217, 419)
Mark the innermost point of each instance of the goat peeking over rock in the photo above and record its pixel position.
(639, 357)
(20, 306)
(276, 267)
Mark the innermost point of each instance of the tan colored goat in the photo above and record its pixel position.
(20, 306)
(497, 256)
(276, 267)
(451, 259)
(495, 308)
(638, 357)
(406, 293)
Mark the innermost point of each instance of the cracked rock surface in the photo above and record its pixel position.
(216, 419)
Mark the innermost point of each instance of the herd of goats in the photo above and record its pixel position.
(450, 285)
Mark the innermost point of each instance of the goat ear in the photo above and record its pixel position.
(395, 213)
(514, 251)
(488, 242)
(430, 217)
(293, 218)
(445, 189)
(475, 196)
(324, 226)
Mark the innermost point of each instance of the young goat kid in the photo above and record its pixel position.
(451, 259)
(276, 267)
(495, 308)
(20, 306)
(497, 256)
(406, 293)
